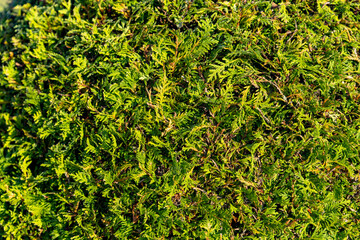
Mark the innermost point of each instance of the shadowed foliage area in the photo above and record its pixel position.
(185, 119)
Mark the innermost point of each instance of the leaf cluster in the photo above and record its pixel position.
(184, 119)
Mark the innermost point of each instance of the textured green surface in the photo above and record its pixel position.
(180, 120)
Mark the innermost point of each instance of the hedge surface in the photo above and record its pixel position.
(185, 119)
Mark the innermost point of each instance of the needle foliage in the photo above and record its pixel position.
(184, 119)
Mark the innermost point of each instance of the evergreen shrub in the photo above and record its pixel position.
(184, 119)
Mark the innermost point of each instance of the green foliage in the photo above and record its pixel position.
(186, 119)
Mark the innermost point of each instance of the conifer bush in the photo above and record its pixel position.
(184, 119)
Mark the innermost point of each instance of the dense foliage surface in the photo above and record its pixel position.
(186, 119)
